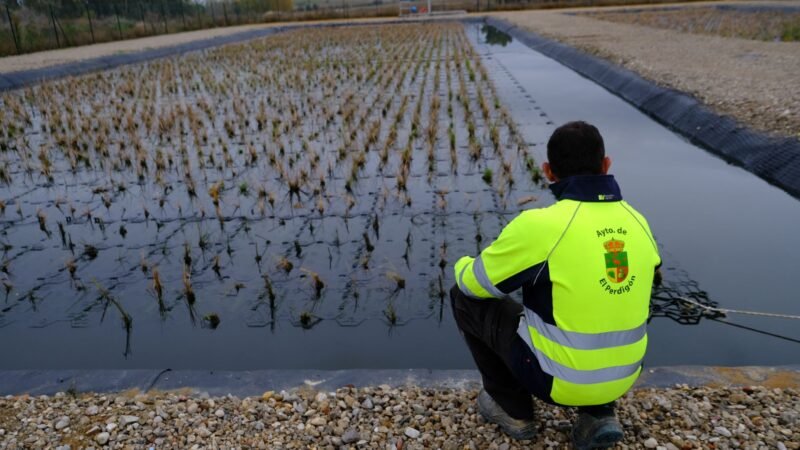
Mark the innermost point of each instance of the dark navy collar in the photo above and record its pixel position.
(587, 188)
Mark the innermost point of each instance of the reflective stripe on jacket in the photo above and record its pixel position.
(586, 267)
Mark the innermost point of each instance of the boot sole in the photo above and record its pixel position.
(603, 439)
(513, 433)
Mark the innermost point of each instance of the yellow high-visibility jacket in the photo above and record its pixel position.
(586, 267)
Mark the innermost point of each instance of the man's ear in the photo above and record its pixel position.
(606, 164)
(548, 172)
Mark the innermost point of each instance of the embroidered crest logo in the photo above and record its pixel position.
(616, 260)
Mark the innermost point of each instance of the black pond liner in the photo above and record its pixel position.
(775, 159)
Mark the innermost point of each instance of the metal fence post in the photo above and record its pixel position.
(13, 33)
(198, 17)
(119, 25)
(89, 16)
(67, 43)
(55, 30)
(141, 12)
(164, 17)
(213, 19)
(183, 16)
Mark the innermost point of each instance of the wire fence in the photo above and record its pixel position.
(34, 25)
(43, 25)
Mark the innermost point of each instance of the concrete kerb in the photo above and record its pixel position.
(253, 383)
(223, 382)
(775, 159)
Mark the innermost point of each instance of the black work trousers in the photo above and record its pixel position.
(510, 371)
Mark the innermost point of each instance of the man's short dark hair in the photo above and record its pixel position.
(576, 148)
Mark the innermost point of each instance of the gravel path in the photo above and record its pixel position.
(756, 82)
(67, 55)
(387, 418)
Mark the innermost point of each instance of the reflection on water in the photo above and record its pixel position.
(495, 36)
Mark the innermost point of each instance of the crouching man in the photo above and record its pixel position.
(586, 266)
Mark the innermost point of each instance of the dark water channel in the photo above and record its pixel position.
(723, 232)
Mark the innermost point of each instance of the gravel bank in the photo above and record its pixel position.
(67, 55)
(762, 25)
(756, 82)
(386, 417)
(49, 58)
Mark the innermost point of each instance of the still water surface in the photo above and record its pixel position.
(736, 236)
(724, 230)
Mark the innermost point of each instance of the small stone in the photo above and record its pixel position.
(63, 447)
(203, 432)
(192, 408)
(722, 431)
(450, 445)
(220, 413)
(350, 436)
(789, 417)
(127, 420)
(367, 403)
(651, 443)
(92, 410)
(318, 421)
(412, 433)
(62, 423)
(321, 397)
(102, 438)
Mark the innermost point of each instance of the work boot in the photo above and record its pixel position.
(590, 432)
(492, 412)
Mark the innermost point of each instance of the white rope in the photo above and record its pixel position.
(738, 311)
